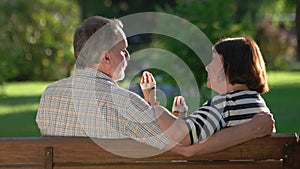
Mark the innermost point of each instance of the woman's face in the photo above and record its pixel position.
(215, 73)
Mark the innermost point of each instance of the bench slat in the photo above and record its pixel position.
(22, 166)
(85, 150)
(76, 152)
(259, 149)
(188, 165)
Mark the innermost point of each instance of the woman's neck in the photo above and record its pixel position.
(236, 87)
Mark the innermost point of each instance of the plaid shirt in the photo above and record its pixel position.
(90, 104)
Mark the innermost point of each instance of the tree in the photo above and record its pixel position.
(36, 39)
(219, 19)
(276, 33)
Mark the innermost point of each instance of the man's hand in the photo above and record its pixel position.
(179, 108)
(147, 81)
(263, 123)
(148, 85)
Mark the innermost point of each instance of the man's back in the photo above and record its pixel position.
(91, 104)
(56, 115)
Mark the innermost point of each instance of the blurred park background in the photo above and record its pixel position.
(36, 49)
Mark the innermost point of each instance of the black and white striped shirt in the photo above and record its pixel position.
(223, 111)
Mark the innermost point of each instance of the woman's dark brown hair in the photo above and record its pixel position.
(243, 63)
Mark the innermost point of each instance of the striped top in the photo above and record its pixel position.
(223, 111)
(90, 104)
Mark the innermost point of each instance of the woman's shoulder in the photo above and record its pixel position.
(241, 94)
(233, 96)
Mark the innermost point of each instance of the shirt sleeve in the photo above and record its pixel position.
(204, 122)
(140, 122)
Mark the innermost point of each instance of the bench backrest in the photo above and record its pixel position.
(279, 151)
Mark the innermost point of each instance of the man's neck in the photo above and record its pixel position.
(104, 70)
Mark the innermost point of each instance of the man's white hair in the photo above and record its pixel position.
(102, 40)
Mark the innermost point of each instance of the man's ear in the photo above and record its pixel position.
(107, 58)
(104, 62)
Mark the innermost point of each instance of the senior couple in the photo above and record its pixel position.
(90, 103)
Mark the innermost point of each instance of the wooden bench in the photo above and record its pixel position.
(279, 151)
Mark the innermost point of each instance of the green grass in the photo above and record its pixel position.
(20, 102)
(283, 100)
(18, 108)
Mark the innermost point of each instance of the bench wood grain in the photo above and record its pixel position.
(278, 151)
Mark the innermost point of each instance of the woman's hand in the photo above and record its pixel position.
(179, 108)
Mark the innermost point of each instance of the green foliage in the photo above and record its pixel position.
(36, 39)
(118, 8)
(277, 46)
(231, 18)
(276, 33)
(217, 19)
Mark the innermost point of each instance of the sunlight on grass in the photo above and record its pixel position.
(21, 96)
(18, 109)
(279, 78)
(24, 88)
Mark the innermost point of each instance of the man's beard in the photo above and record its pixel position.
(119, 73)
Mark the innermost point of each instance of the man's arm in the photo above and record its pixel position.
(175, 128)
(261, 125)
